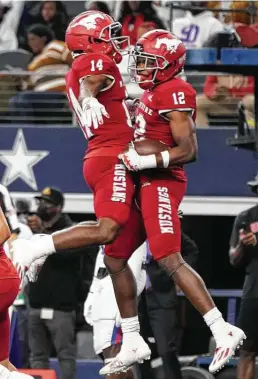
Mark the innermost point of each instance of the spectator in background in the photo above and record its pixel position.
(244, 251)
(98, 6)
(10, 13)
(49, 52)
(46, 89)
(53, 14)
(222, 95)
(197, 26)
(54, 297)
(241, 17)
(134, 14)
(38, 36)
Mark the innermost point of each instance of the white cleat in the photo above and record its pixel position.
(226, 347)
(127, 357)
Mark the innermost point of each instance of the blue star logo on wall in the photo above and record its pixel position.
(20, 161)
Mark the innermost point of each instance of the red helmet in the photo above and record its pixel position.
(158, 52)
(94, 31)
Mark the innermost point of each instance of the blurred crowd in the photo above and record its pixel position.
(33, 49)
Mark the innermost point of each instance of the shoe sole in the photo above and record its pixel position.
(125, 368)
(236, 346)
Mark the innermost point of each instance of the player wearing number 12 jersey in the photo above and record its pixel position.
(166, 113)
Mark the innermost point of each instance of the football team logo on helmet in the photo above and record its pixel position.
(88, 22)
(171, 44)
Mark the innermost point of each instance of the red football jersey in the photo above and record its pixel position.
(151, 122)
(113, 135)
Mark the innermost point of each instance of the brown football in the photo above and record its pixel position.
(149, 146)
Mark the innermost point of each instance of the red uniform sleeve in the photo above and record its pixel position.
(93, 64)
(181, 97)
(209, 88)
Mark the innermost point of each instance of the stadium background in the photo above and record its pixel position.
(35, 153)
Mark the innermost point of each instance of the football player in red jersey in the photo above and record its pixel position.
(9, 287)
(166, 113)
(96, 93)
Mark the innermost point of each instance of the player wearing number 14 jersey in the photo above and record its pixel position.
(97, 94)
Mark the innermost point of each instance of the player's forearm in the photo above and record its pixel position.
(182, 154)
(91, 87)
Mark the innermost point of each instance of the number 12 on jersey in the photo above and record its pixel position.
(178, 98)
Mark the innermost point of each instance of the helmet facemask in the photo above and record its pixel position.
(141, 61)
(109, 35)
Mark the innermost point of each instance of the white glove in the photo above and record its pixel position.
(135, 162)
(93, 112)
(34, 269)
(25, 252)
(87, 310)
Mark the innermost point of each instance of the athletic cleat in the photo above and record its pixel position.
(127, 357)
(226, 347)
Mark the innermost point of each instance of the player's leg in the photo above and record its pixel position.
(9, 288)
(113, 191)
(107, 332)
(164, 234)
(134, 349)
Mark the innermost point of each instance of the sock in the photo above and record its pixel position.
(130, 327)
(215, 322)
(4, 372)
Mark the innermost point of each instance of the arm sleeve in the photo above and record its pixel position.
(93, 64)
(9, 210)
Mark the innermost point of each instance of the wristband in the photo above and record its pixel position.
(46, 245)
(165, 158)
(148, 161)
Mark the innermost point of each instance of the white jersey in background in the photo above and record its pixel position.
(194, 31)
(100, 308)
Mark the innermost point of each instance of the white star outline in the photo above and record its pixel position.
(19, 162)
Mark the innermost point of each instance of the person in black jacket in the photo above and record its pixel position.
(54, 297)
(244, 252)
(159, 305)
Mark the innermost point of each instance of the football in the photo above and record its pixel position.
(149, 146)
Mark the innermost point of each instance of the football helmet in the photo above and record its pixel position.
(94, 31)
(157, 57)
